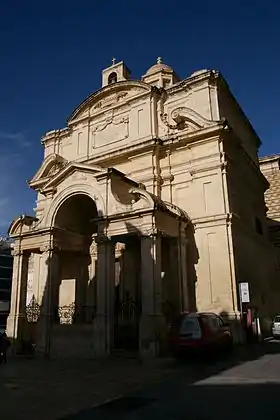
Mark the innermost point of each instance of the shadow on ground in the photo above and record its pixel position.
(205, 389)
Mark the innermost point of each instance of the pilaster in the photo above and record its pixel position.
(105, 284)
(48, 283)
(182, 264)
(16, 318)
(152, 328)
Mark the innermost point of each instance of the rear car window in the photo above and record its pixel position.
(190, 328)
(277, 319)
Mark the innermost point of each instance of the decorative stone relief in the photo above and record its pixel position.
(30, 272)
(58, 166)
(93, 248)
(110, 100)
(80, 176)
(110, 130)
(185, 119)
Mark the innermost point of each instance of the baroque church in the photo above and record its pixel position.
(150, 202)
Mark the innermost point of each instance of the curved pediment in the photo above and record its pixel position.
(50, 166)
(183, 118)
(108, 96)
(21, 224)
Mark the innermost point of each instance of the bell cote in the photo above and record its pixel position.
(117, 72)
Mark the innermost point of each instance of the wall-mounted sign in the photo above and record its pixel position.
(244, 292)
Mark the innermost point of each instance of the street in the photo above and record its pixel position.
(246, 384)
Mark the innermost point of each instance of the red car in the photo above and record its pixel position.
(199, 332)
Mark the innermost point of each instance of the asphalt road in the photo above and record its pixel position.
(245, 386)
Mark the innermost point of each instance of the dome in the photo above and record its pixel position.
(159, 66)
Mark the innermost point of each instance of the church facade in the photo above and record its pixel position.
(149, 203)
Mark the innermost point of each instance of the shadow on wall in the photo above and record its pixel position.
(72, 320)
(192, 261)
(66, 272)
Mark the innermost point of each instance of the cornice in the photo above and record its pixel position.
(103, 91)
(212, 221)
(56, 134)
(256, 168)
(192, 80)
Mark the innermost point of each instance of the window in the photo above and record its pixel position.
(190, 327)
(113, 78)
(5, 284)
(258, 225)
(5, 272)
(6, 261)
(5, 295)
(213, 321)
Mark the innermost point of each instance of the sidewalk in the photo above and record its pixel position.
(49, 390)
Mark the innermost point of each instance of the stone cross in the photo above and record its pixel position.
(113, 61)
(159, 60)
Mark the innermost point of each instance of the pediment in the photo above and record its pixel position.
(108, 96)
(21, 224)
(53, 164)
(77, 170)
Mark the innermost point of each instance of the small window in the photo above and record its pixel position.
(113, 78)
(258, 225)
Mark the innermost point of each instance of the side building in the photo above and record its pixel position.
(6, 270)
(270, 167)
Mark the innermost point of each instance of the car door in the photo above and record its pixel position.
(224, 334)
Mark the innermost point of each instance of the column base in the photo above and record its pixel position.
(152, 336)
(15, 331)
(102, 336)
(43, 337)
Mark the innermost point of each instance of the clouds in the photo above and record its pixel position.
(4, 204)
(19, 159)
(18, 137)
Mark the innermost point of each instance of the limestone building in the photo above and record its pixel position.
(150, 202)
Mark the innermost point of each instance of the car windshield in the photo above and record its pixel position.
(277, 318)
(190, 327)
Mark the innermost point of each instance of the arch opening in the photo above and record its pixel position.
(73, 296)
(76, 214)
(112, 78)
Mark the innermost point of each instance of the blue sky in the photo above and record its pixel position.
(52, 54)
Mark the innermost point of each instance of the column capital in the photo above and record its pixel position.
(151, 234)
(16, 252)
(102, 240)
(49, 248)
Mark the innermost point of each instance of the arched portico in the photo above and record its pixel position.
(88, 251)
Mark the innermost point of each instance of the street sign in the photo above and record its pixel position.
(244, 292)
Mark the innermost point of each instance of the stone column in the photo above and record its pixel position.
(182, 262)
(174, 277)
(105, 285)
(152, 322)
(17, 316)
(48, 283)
